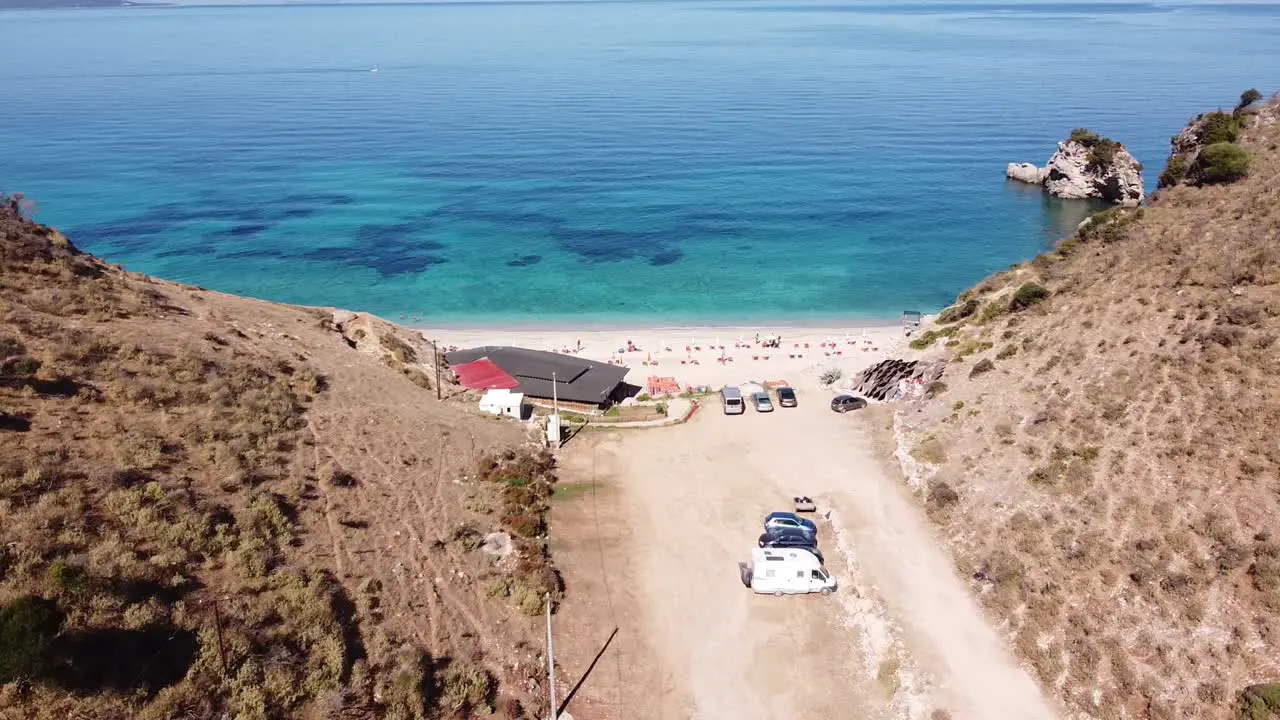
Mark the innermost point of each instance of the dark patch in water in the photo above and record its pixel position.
(239, 231)
(254, 253)
(190, 250)
(666, 257)
(525, 261)
(331, 199)
(601, 244)
(386, 264)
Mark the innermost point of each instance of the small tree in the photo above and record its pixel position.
(1247, 98)
(27, 626)
(1221, 163)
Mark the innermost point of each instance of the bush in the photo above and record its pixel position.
(1027, 295)
(984, 365)
(1260, 702)
(27, 627)
(467, 690)
(1084, 136)
(832, 376)
(1103, 153)
(1007, 351)
(1218, 127)
(1221, 163)
(1174, 171)
(942, 495)
(930, 336)
(956, 313)
(1247, 98)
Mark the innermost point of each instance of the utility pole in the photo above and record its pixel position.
(555, 414)
(435, 347)
(551, 663)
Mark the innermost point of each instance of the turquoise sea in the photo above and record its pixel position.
(599, 162)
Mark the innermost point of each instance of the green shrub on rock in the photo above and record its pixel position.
(1174, 171)
(1220, 127)
(959, 311)
(1027, 295)
(1247, 98)
(1222, 162)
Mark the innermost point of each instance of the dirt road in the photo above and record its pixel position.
(658, 537)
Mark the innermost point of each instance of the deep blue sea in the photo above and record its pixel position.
(600, 162)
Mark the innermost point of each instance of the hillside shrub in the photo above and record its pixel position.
(983, 366)
(1220, 127)
(1221, 163)
(1174, 171)
(27, 627)
(1247, 98)
(959, 312)
(931, 336)
(1027, 295)
(1260, 702)
(832, 376)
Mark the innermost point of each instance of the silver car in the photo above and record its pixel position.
(762, 402)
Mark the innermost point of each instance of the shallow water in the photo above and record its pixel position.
(665, 162)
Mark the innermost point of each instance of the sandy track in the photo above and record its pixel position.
(689, 501)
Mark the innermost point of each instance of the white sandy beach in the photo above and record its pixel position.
(693, 355)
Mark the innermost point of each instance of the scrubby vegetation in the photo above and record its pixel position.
(1222, 162)
(1102, 150)
(1026, 295)
(959, 311)
(1114, 500)
(525, 482)
(157, 481)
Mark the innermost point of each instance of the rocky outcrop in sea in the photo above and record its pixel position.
(1087, 165)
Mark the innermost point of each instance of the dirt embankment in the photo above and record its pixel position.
(1101, 451)
(211, 505)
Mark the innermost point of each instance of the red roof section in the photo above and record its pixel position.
(484, 375)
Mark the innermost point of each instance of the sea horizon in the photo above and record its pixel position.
(621, 164)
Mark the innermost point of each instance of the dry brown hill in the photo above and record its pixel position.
(1102, 454)
(218, 507)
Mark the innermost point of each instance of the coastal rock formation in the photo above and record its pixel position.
(1087, 165)
(1027, 173)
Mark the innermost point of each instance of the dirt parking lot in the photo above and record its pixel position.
(649, 526)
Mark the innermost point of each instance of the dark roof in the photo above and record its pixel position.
(576, 379)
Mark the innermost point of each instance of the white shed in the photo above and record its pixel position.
(503, 402)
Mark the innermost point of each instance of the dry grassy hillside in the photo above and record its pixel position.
(219, 507)
(1102, 454)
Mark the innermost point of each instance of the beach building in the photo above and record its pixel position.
(578, 383)
(503, 402)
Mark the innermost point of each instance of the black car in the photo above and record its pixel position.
(845, 403)
(792, 539)
(786, 397)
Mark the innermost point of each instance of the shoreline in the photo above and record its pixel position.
(701, 356)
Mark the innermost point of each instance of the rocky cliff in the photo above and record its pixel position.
(1087, 165)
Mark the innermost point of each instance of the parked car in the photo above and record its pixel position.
(731, 401)
(786, 520)
(790, 539)
(845, 403)
(762, 402)
(786, 397)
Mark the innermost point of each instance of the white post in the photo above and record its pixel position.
(551, 662)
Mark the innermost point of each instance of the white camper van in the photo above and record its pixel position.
(785, 571)
(731, 401)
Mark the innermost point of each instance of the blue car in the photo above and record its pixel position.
(781, 520)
